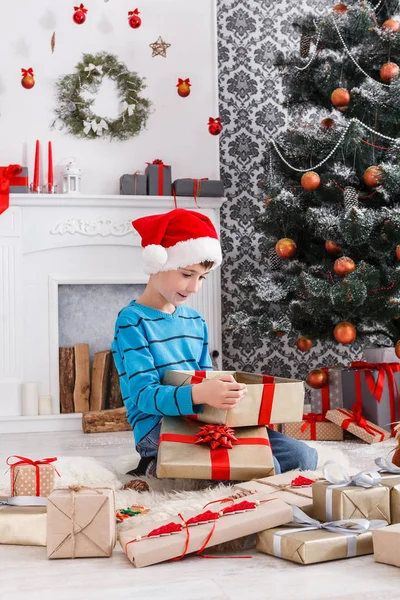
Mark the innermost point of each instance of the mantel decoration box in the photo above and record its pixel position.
(198, 188)
(20, 184)
(268, 400)
(188, 449)
(135, 184)
(81, 522)
(159, 179)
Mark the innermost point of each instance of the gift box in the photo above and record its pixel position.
(22, 525)
(359, 497)
(147, 545)
(308, 541)
(32, 477)
(313, 427)
(330, 396)
(159, 179)
(387, 545)
(198, 188)
(9, 175)
(380, 355)
(395, 504)
(373, 387)
(355, 423)
(268, 399)
(81, 522)
(189, 450)
(135, 184)
(19, 184)
(390, 473)
(280, 486)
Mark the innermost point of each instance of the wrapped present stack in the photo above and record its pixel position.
(228, 445)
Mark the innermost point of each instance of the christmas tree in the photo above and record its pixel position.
(331, 187)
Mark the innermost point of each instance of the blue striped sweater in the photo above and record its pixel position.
(148, 342)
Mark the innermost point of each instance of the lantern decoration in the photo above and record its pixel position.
(373, 176)
(310, 181)
(340, 98)
(71, 178)
(285, 248)
(344, 266)
(304, 344)
(317, 379)
(345, 333)
(389, 72)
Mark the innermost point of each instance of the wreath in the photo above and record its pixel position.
(75, 112)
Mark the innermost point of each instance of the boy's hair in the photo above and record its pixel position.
(207, 264)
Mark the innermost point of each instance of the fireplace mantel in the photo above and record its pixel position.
(47, 240)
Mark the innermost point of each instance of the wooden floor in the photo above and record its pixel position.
(26, 573)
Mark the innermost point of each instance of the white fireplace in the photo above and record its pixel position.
(50, 240)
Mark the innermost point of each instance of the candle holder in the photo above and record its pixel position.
(47, 190)
(32, 189)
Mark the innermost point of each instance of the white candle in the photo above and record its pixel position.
(45, 405)
(30, 399)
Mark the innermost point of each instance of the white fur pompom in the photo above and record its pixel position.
(154, 258)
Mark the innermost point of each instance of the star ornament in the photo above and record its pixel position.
(160, 47)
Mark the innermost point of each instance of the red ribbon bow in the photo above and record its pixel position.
(218, 436)
(81, 7)
(211, 120)
(355, 416)
(26, 72)
(158, 161)
(133, 12)
(310, 420)
(28, 461)
(181, 81)
(6, 174)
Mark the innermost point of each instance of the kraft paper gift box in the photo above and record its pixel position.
(373, 388)
(159, 179)
(81, 522)
(355, 423)
(330, 396)
(135, 184)
(395, 503)
(156, 549)
(309, 541)
(20, 184)
(22, 525)
(198, 188)
(279, 486)
(30, 477)
(387, 545)
(314, 427)
(268, 400)
(181, 455)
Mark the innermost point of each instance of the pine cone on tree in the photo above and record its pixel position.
(350, 198)
(305, 44)
(275, 262)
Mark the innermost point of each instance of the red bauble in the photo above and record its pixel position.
(285, 248)
(214, 126)
(373, 176)
(332, 248)
(327, 123)
(391, 25)
(345, 333)
(317, 379)
(389, 72)
(340, 98)
(310, 181)
(304, 344)
(398, 252)
(344, 266)
(133, 19)
(340, 8)
(79, 15)
(27, 80)
(183, 86)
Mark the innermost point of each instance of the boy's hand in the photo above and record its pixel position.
(222, 392)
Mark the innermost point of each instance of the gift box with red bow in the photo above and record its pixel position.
(314, 427)
(159, 178)
(198, 188)
(354, 422)
(268, 400)
(331, 395)
(11, 176)
(188, 449)
(32, 477)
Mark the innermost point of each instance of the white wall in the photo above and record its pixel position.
(177, 129)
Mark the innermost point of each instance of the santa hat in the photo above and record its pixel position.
(177, 239)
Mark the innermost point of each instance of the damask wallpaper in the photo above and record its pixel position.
(250, 34)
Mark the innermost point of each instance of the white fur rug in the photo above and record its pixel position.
(169, 496)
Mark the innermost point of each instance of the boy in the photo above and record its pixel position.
(157, 332)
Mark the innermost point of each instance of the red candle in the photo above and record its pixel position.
(36, 172)
(50, 170)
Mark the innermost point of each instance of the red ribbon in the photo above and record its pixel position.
(218, 436)
(196, 190)
(181, 81)
(311, 420)
(325, 395)
(355, 416)
(133, 12)
(19, 181)
(211, 120)
(220, 463)
(81, 7)
(6, 175)
(26, 72)
(28, 461)
(161, 166)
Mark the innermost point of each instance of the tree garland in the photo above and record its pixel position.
(75, 113)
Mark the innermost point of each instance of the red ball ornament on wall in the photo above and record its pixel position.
(340, 98)
(373, 176)
(310, 181)
(285, 248)
(183, 86)
(345, 333)
(389, 72)
(79, 15)
(133, 19)
(391, 25)
(28, 78)
(317, 379)
(304, 344)
(214, 126)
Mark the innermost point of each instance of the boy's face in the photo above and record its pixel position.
(177, 286)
